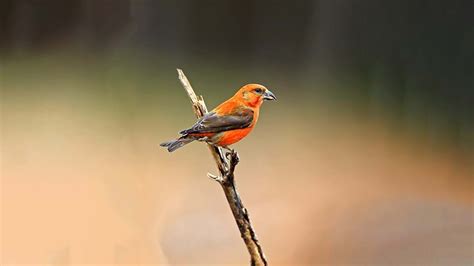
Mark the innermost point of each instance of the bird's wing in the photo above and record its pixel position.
(213, 122)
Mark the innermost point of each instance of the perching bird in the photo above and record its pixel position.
(229, 122)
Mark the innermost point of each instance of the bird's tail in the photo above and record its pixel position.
(177, 143)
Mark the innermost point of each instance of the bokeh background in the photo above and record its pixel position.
(365, 159)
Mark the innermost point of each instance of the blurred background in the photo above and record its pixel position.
(366, 158)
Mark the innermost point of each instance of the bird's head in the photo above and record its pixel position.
(254, 94)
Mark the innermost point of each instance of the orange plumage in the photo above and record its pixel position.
(229, 122)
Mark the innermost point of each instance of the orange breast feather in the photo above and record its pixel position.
(233, 136)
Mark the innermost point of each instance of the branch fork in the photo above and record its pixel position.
(228, 175)
(226, 179)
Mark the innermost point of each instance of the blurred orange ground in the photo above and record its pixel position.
(81, 188)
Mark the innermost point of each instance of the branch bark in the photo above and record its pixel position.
(226, 164)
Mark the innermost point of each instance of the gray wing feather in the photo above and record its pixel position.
(211, 122)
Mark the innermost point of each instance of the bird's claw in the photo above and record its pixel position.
(229, 154)
(235, 157)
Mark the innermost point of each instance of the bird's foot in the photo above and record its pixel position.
(229, 153)
(235, 157)
(232, 160)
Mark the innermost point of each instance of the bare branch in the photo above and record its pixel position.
(199, 107)
(226, 180)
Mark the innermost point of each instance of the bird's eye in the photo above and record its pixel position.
(258, 90)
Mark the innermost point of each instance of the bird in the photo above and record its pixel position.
(229, 122)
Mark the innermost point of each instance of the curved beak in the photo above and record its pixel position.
(269, 96)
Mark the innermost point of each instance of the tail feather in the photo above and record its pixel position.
(176, 144)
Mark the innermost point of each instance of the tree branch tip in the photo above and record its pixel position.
(211, 176)
(219, 179)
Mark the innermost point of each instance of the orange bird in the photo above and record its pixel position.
(229, 122)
